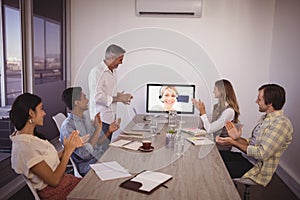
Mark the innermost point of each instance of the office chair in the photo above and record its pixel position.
(76, 172)
(247, 182)
(32, 189)
(58, 119)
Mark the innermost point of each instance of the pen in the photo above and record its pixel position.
(128, 143)
(200, 138)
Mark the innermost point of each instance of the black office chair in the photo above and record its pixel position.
(247, 182)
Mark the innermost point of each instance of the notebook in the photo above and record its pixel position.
(199, 140)
(194, 131)
(127, 144)
(146, 181)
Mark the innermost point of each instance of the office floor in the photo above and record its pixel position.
(276, 190)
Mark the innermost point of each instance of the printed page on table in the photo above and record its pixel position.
(127, 144)
(109, 170)
(195, 131)
(134, 145)
(200, 140)
(120, 143)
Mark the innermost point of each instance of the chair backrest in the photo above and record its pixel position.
(33, 190)
(58, 119)
(76, 172)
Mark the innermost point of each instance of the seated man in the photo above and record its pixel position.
(271, 136)
(98, 142)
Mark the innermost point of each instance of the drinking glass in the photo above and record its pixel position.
(179, 145)
(172, 118)
(153, 126)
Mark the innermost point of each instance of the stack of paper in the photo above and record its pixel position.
(109, 170)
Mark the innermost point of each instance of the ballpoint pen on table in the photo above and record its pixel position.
(198, 138)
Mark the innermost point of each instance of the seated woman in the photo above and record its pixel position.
(227, 109)
(36, 158)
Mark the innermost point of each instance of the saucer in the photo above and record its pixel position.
(146, 150)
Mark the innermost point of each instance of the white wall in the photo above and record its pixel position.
(235, 35)
(284, 69)
(233, 39)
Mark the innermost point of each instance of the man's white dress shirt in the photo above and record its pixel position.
(102, 88)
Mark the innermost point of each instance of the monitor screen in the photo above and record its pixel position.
(165, 97)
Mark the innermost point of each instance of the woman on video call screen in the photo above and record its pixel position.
(166, 97)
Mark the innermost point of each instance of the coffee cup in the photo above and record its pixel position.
(146, 144)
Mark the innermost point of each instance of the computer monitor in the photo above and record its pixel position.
(161, 98)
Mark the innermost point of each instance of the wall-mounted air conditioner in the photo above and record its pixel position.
(184, 8)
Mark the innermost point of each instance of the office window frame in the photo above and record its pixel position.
(27, 80)
(4, 60)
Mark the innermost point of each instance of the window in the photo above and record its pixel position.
(47, 24)
(11, 66)
(47, 50)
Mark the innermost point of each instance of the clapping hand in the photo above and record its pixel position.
(200, 106)
(73, 141)
(97, 121)
(232, 130)
(124, 97)
(224, 140)
(114, 125)
(85, 138)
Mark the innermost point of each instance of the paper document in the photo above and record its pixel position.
(119, 143)
(127, 144)
(200, 140)
(135, 145)
(109, 170)
(195, 131)
(131, 136)
(133, 133)
(141, 127)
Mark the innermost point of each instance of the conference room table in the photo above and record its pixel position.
(199, 173)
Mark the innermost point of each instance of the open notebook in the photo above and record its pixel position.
(146, 182)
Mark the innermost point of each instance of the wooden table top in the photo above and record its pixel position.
(198, 174)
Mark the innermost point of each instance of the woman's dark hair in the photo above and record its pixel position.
(273, 94)
(19, 112)
(70, 95)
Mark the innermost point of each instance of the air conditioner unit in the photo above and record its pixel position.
(184, 8)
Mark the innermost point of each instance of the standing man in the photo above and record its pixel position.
(270, 138)
(103, 85)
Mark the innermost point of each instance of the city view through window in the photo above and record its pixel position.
(47, 51)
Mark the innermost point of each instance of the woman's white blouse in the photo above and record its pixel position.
(227, 115)
(29, 150)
